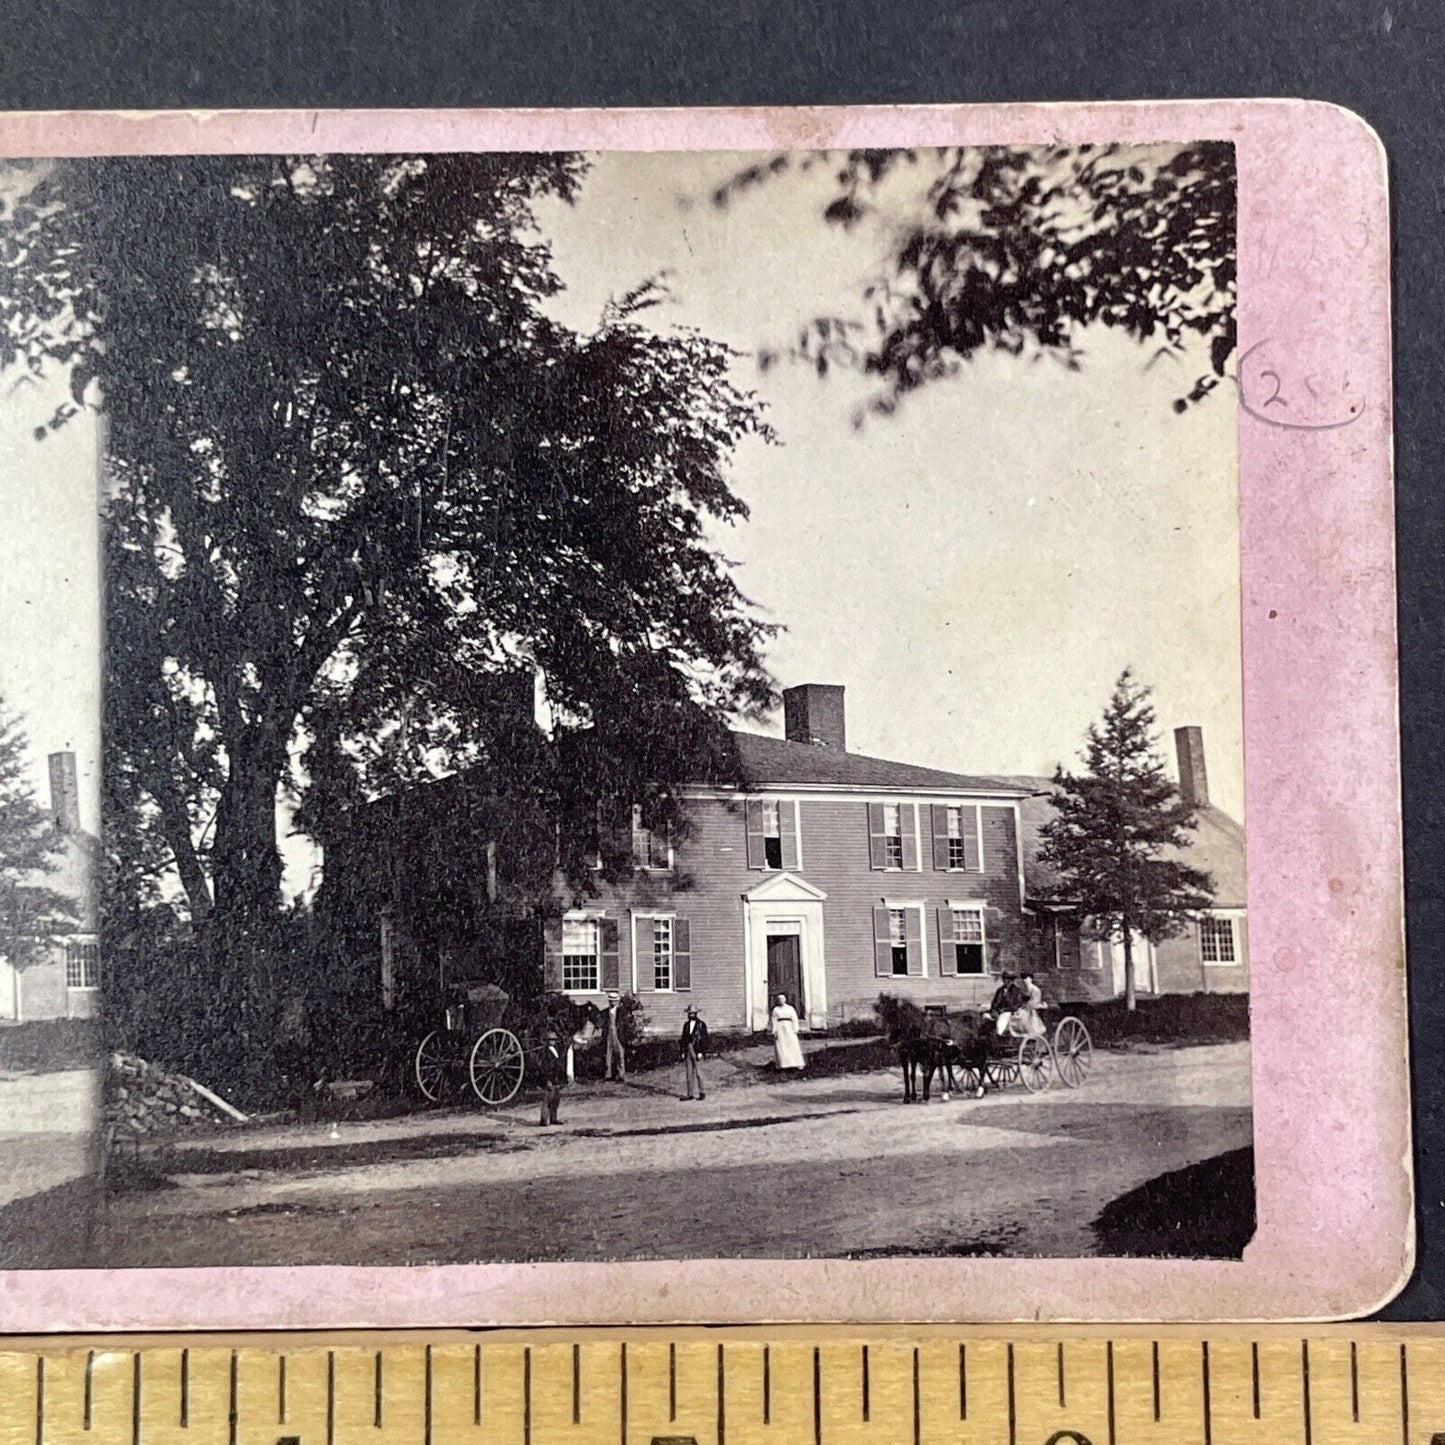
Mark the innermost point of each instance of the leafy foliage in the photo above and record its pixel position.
(356, 471)
(358, 477)
(29, 844)
(1021, 249)
(1118, 829)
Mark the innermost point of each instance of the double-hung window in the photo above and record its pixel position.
(82, 964)
(772, 817)
(651, 847)
(892, 835)
(662, 954)
(898, 940)
(581, 966)
(1216, 940)
(956, 854)
(968, 951)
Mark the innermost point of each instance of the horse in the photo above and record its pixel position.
(925, 1046)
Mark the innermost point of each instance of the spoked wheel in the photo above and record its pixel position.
(1035, 1064)
(1073, 1052)
(435, 1065)
(496, 1066)
(970, 1081)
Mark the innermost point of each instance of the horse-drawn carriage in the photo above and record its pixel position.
(969, 1057)
(481, 1040)
(1035, 1058)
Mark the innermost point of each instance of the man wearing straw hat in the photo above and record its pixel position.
(612, 1023)
(694, 1048)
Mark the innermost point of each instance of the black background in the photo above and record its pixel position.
(1382, 58)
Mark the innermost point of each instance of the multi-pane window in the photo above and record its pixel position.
(957, 856)
(651, 847)
(662, 953)
(581, 970)
(898, 940)
(82, 965)
(772, 835)
(892, 836)
(1216, 940)
(968, 940)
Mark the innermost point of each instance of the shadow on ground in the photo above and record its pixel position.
(1203, 1212)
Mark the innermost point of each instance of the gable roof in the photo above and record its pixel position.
(778, 762)
(1216, 845)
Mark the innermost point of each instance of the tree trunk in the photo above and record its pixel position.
(1129, 1000)
(242, 943)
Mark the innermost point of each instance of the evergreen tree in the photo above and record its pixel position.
(29, 841)
(1118, 829)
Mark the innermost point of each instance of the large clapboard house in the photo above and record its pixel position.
(831, 876)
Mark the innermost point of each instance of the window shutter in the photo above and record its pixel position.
(882, 944)
(788, 834)
(913, 937)
(681, 954)
(607, 933)
(877, 853)
(908, 822)
(940, 836)
(757, 848)
(552, 955)
(968, 826)
(642, 976)
(947, 955)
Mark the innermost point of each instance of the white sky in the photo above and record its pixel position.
(976, 570)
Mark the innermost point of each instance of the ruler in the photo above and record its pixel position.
(835, 1387)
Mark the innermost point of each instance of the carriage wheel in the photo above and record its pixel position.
(496, 1066)
(970, 1081)
(432, 1066)
(1035, 1064)
(1073, 1052)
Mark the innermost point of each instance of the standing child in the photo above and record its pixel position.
(554, 1077)
(694, 1049)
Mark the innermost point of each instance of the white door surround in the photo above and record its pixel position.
(784, 904)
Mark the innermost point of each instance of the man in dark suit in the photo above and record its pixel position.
(554, 1076)
(612, 1032)
(694, 1048)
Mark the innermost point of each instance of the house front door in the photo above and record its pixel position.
(785, 969)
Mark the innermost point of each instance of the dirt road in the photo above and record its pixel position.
(806, 1166)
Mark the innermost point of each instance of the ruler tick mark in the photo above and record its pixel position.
(330, 1397)
(476, 1385)
(576, 1384)
(426, 1421)
(1404, 1397)
(767, 1385)
(817, 1396)
(1061, 1374)
(1109, 1384)
(281, 1390)
(89, 1373)
(1304, 1360)
(232, 1415)
(1354, 1384)
(963, 1382)
(40, 1398)
(917, 1403)
(865, 1384)
(672, 1381)
(1254, 1371)
(722, 1410)
(135, 1399)
(527, 1395)
(376, 1404)
(1155, 1353)
(1013, 1424)
(185, 1389)
(1208, 1406)
(623, 1410)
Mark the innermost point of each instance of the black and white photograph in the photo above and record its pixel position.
(622, 706)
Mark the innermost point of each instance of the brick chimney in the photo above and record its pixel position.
(813, 713)
(64, 793)
(1193, 779)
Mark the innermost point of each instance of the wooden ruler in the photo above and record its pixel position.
(971, 1387)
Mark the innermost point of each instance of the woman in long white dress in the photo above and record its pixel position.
(787, 1052)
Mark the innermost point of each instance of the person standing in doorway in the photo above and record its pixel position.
(554, 1077)
(694, 1050)
(787, 1052)
(612, 1028)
